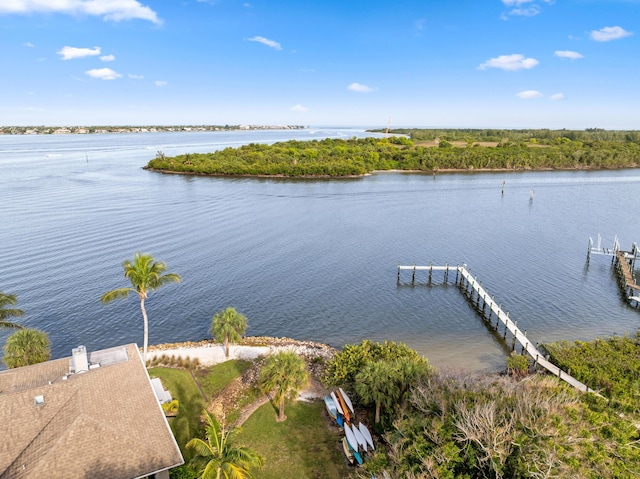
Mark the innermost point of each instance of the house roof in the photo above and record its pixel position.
(102, 423)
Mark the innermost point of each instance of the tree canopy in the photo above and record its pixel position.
(25, 347)
(228, 326)
(477, 150)
(286, 374)
(6, 313)
(145, 274)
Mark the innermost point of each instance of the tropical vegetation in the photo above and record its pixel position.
(9, 312)
(610, 366)
(284, 373)
(217, 457)
(500, 426)
(145, 274)
(424, 150)
(25, 347)
(228, 326)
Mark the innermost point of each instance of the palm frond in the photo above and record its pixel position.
(115, 294)
(9, 324)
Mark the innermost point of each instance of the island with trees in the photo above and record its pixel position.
(416, 150)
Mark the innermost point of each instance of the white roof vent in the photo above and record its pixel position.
(38, 400)
(79, 360)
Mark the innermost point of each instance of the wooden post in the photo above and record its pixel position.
(430, 271)
(446, 273)
(398, 272)
(413, 276)
(457, 271)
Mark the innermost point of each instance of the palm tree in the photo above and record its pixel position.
(286, 373)
(5, 313)
(228, 326)
(26, 346)
(376, 383)
(146, 274)
(217, 457)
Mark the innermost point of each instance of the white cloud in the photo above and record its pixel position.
(135, 77)
(266, 41)
(529, 94)
(607, 34)
(107, 58)
(69, 53)
(103, 73)
(521, 10)
(160, 83)
(568, 54)
(557, 96)
(299, 108)
(28, 44)
(360, 88)
(114, 10)
(510, 62)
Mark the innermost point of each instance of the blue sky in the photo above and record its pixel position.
(457, 63)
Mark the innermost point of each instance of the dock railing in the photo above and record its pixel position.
(487, 307)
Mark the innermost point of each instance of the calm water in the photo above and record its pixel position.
(312, 259)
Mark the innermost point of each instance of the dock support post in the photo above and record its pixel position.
(457, 271)
(446, 273)
(413, 276)
(430, 272)
(398, 272)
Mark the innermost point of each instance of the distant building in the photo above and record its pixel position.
(94, 415)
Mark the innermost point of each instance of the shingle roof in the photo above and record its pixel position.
(103, 423)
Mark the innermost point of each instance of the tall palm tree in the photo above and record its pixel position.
(376, 383)
(146, 274)
(5, 313)
(26, 346)
(217, 457)
(228, 326)
(286, 373)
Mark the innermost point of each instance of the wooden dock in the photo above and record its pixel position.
(493, 314)
(625, 263)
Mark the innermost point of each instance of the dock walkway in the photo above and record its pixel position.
(625, 265)
(487, 307)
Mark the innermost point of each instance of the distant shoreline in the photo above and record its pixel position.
(418, 172)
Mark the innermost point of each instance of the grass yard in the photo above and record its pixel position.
(215, 379)
(186, 424)
(303, 446)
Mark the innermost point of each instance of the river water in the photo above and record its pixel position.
(307, 259)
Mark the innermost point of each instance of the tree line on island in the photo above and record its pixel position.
(420, 150)
(429, 423)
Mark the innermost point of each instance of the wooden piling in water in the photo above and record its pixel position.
(468, 286)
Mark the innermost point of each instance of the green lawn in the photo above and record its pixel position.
(215, 379)
(186, 424)
(303, 446)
